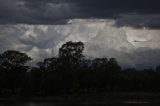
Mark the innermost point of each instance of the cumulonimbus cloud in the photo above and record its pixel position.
(132, 47)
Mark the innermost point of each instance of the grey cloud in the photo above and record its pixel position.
(59, 11)
(101, 38)
(149, 56)
(139, 20)
(34, 12)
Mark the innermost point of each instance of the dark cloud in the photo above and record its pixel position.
(123, 5)
(59, 11)
(35, 11)
(150, 21)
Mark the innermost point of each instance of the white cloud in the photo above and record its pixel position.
(130, 46)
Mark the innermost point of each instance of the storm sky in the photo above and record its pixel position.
(124, 29)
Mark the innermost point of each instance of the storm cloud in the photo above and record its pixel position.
(126, 30)
(60, 11)
(131, 46)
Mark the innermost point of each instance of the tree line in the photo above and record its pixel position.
(71, 73)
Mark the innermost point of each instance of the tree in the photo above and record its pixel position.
(113, 65)
(49, 64)
(12, 70)
(99, 64)
(13, 60)
(71, 53)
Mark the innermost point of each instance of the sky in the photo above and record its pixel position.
(126, 30)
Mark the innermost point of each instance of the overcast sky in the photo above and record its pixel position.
(59, 11)
(126, 29)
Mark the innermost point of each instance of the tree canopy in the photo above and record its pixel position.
(71, 72)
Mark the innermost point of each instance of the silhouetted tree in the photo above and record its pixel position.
(12, 69)
(71, 53)
(49, 64)
(71, 72)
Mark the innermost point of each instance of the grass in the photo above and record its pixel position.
(92, 97)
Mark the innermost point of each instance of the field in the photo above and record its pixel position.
(105, 99)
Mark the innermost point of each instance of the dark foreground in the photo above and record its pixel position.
(111, 99)
(71, 73)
